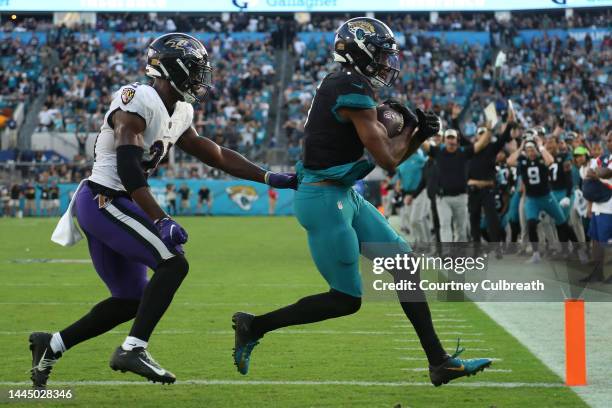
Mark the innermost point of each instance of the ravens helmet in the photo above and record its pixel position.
(183, 61)
(369, 46)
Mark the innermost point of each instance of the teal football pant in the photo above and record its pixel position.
(546, 203)
(338, 221)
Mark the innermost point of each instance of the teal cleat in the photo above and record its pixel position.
(455, 367)
(244, 342)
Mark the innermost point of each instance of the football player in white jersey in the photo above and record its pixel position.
(126, 229)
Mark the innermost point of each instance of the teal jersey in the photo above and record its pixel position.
(410, 171)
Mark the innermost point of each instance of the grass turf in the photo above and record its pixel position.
(252, 264)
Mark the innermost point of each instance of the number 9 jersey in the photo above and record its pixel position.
(161, 132)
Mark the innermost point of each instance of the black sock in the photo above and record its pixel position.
(310, 309)
(417, 311)
(158, 295)
(566, 233)
(101, 318)
(515, 228)
(532, 227)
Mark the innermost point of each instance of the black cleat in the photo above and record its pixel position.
(43, 358)
(244, 341)
(139, 361)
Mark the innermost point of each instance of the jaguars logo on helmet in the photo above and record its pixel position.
(368, 46)
(183, 61)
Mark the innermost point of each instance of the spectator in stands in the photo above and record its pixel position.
(272, 199)
(5, 199)
(15, 201)
(29, 193)
(171, 199)
(184, 192)
(54, 199)
(45, 199)
(205, 198)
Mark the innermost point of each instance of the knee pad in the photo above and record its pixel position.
(346, 304)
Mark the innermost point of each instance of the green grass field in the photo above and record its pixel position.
(371, 359)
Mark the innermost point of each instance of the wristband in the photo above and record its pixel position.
(267, 177)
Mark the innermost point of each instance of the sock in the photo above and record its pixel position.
(158, 295)
(310, 309)
(515, 229)
(103, 317)
(132, 342)
(532, 227)
(417, 311)
(57, 344)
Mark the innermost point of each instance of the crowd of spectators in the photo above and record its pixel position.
(552, 82)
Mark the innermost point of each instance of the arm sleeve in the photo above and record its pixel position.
(504, 138)
(456, 124)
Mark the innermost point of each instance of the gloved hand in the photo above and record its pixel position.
(410, 119)
(171, 233)
(565, 202)
(281, 180)
(429, 125)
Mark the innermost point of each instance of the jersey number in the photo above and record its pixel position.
(156, 154)
(533, 174)
(554, 170)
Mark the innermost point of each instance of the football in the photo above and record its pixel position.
(391, 119)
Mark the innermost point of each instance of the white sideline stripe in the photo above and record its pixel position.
(421, 349)
(468, 384)
(141, 230)
(489, 370)
(446, 340)
(424, 359)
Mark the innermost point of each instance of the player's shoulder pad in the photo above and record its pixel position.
(139, 99)
(352, 91)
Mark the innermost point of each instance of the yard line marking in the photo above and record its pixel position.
(198, 304)
(446, 340)
(425, 359)
(489, 370)
(215, 284)
(460, 333)
(421, 349)
(449, 320)
(468, 384)
(231, 332)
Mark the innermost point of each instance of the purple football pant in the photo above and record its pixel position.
(123, 242)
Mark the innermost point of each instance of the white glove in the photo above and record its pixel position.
(565, 202)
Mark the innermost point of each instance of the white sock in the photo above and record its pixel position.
(133, 342)
(57, 344)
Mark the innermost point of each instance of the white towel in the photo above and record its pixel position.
(66, 232)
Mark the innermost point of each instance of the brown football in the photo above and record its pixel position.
(391, 119)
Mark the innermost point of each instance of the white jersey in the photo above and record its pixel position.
(161, 132)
